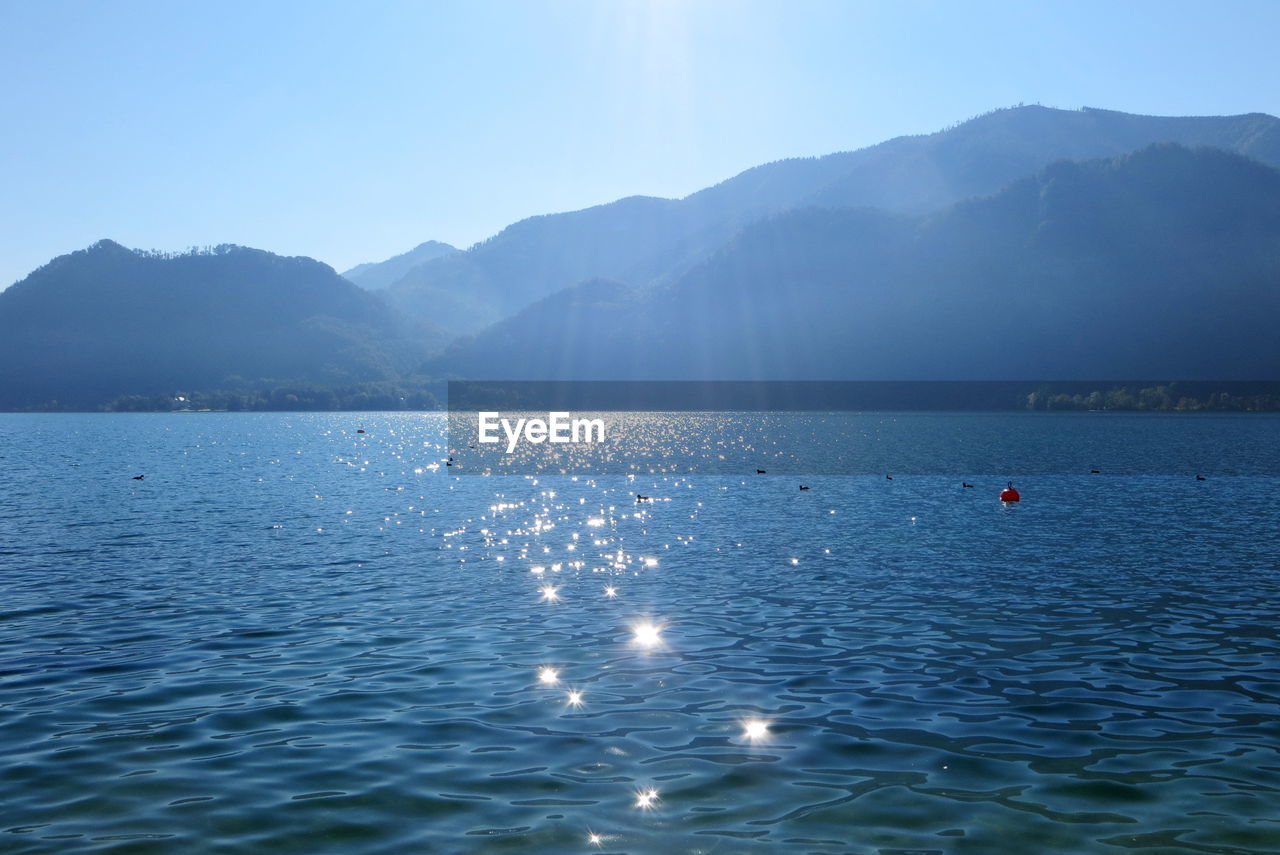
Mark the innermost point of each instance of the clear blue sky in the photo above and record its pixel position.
(353, 131)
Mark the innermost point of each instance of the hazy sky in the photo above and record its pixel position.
(353, 131)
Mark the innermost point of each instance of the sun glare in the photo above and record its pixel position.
(755, 729)
(646, 634)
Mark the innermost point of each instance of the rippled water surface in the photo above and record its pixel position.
(291, 637)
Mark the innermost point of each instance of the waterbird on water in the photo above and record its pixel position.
(965, 484)
(140, 477)
(1201, 478)
(640, 498)
(888, 477)
(759, 471)
(803, 487)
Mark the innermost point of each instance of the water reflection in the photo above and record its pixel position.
(646, 634)
(646, 799)
(755, 729)
(1067, 678)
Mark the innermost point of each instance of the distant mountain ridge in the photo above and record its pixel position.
(1160, 263)
(642, 240)
(1026, 243)
(107, 320)
(373, 276)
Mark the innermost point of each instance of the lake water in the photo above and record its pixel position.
(295, 638)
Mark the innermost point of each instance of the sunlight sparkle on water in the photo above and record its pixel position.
(646, 634)
(574, 698)
(646, 798)
(548, 675)
(610, 591)
(755, 729)
(549, 593)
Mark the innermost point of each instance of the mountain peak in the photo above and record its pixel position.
(375, 275)
(108, 245)
(431, 245)
(107, 321)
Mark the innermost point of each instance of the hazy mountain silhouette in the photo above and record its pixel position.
(643, 240)
(107, 320)
(1160, 263)
(374, 276)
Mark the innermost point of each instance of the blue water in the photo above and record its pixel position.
(294, 638)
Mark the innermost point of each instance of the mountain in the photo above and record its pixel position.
(108, 321)
(537, 256)
(1026, 243)
(373, 276)
(1160, 263)
(645, 240)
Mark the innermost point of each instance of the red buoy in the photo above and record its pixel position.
(1008, 494)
